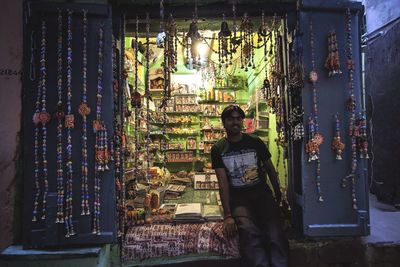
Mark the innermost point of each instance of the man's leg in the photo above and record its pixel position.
(251, 240)
(273, 230)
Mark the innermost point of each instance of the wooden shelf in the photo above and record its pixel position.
(215, 102)
(184, 94)
(183, 112)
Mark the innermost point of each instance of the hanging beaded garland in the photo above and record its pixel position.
(247, 44)
(59, 115)
(136, 103)
(315, 137)
(41, 116)
(147, 95)
(351, 106)
(337, 144)
(171, 48)
(223, 44)
(119, 160)
(100, 130)
(69, 124)
(266, 88)
(363, 137)
(84, 111)
(332, 62)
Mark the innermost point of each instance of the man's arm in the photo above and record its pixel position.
(273, 177)
(229, 222)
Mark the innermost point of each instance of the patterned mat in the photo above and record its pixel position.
(150, 241)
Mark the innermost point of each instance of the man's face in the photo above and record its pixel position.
(234, 123)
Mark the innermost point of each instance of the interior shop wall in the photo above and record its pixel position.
(10, 111)
(255, 78)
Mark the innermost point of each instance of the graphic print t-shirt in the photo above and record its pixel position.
(242, 161)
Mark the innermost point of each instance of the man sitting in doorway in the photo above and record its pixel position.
(241, 161)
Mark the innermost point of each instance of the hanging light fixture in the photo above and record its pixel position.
(193, 36)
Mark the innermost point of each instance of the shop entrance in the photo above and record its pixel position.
(181, 73)
(124, 137)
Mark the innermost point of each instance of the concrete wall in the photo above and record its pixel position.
(10, 109)
(380, 12)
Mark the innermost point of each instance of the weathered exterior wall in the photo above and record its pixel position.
(382, 84)
(380, 12)
(10, 109)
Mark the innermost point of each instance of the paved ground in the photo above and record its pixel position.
(385, 223)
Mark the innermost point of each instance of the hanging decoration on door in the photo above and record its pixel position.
(363, 137)
(351, 108)
(337, 145)
(332, 62)
(315, 139)
(136, 104)
(84, 111)
(100, 131)
(41, 117)
(69, 124)
(147, 95)
(59, 116)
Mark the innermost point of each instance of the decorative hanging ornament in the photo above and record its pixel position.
(223, 43)
(101, 147)
(84, 111)
(247, 45)
(69, 124)
(351, 105)
(363, 137)
(332, 62)
(59, 116)
(315, 137)
(337, 145)
(41, 116)
(147, 95)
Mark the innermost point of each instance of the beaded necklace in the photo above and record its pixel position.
(119, 162)
(136, 103)
(60, 116)
(315, 138)
(351, 107)
(69, 124)
(337, 144)
(84, 111)
(41, 116)
(100, 131)
(363, 137)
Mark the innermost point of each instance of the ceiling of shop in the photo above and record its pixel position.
(209, 11)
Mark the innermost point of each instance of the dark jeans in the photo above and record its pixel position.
(262, 242)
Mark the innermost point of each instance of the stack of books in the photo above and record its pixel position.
(189, 212)
(212, 213)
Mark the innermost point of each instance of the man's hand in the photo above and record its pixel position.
(278, 196)
(229, 227)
